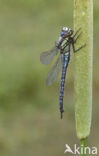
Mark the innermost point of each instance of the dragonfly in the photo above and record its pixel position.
(62, 48)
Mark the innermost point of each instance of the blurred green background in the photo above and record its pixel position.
(29, 117)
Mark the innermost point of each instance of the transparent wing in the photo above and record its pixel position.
(53, 74)
(46, 57)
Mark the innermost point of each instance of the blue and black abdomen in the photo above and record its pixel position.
(66, 58)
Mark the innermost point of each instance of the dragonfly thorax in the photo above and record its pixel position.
(64, 49)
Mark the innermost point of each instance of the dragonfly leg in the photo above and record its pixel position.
(75, 50)
(75, 39)
(76, 32)
(75, 36)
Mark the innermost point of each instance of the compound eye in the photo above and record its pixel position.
(65, 29)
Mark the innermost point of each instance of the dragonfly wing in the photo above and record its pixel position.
(46, 57)
(53, 74)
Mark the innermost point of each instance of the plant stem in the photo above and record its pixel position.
(83, 18)
(84, 143)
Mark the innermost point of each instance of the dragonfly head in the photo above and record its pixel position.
(66, 32)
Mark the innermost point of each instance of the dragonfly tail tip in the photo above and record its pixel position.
(62, 114)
